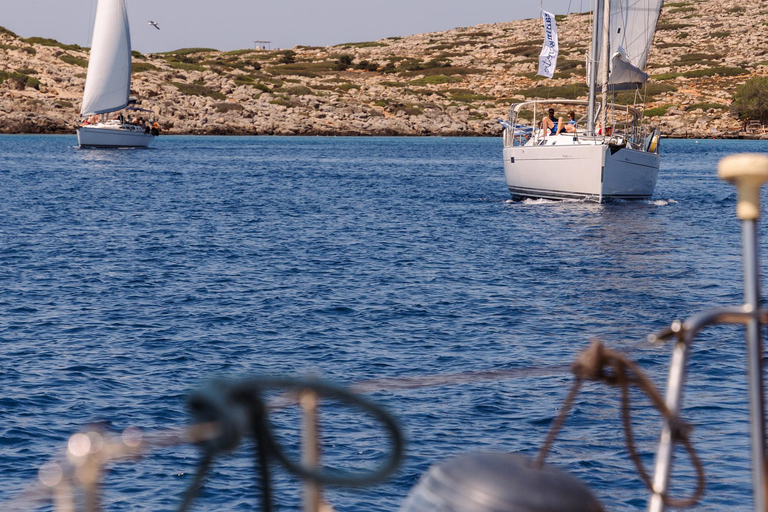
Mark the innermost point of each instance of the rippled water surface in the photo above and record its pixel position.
(131, 277)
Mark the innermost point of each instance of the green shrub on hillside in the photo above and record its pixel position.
(672, 26)
(690, 59)
(237, 53)
(409, 109)
(244, 80)
(435, 79)
(524, 50)
(750, 100)
(288, 57)
(348, 86)
(283, 102)
(343, 62)
(448, 71)
(467, 96)
(700, 73)
(298, 90)
(228, 107)
(720, 70)
(44, 41)
(140, 67)
(666, 76)
(707, 106)
(198, 90)
(365, 65)
(20, 80)
(75, 61)
(7, 32)
(653, 89)
(568, 92)
(657, 112)
(306, 69)
(368, 44)
(189, 51)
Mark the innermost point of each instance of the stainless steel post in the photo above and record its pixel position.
(310, 452)
(754, 361)
(673, 400)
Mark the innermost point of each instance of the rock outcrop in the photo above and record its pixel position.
(457, 82)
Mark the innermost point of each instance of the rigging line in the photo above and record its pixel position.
(394, 384)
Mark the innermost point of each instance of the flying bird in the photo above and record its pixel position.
(154, 24)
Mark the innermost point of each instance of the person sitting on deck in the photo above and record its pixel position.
(570, 126)
(554, 125)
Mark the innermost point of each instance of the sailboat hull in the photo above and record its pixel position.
(113, 136)
(587, 172)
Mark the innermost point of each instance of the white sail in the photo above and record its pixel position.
(632, 26)
(108, 83)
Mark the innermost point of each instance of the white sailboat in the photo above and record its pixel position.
(591, 163)
(108, 83)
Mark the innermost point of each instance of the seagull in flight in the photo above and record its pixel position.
(154, 24)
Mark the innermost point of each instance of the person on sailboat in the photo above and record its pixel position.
(551, 123)
(570, 126)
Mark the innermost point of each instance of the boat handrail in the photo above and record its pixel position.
(515, 108)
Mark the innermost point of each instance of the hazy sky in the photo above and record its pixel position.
(235, 24)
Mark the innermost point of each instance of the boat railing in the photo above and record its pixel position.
(628, 128)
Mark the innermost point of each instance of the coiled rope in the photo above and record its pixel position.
(602, 364)
(240, 410)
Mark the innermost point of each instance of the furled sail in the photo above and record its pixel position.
(632, 26)
(108, 83)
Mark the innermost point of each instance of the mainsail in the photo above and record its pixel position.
(108, 83)
(632, 26)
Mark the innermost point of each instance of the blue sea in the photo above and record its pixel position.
(130, 278)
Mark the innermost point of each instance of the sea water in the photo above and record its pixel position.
(131, 277)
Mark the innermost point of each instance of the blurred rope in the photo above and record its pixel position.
(217, 423)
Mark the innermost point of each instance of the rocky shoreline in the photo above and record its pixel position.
(453, 83)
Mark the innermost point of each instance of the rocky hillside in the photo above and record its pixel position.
(444, 83)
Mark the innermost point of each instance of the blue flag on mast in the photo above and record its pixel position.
(548, 56)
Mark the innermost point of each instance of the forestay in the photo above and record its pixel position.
(108, 83)
(632, 26)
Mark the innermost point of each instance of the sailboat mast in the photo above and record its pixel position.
(605, 60)
(593, 67)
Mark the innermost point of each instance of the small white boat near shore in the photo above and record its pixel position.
(108, 84)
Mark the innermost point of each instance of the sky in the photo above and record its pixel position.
(235, 24)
